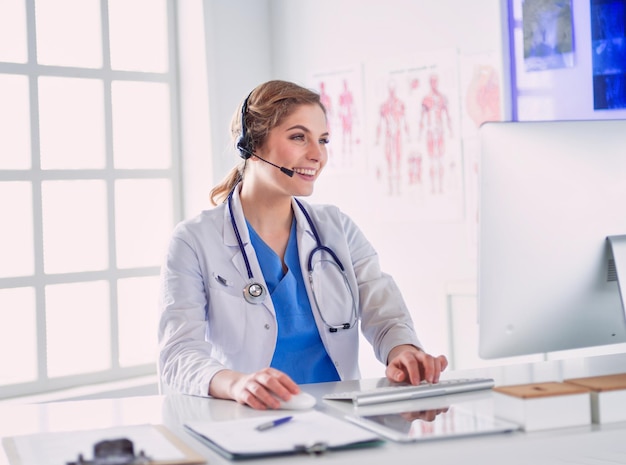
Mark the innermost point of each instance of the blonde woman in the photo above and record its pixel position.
(265, 291)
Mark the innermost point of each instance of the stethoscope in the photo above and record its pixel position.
(255, 293)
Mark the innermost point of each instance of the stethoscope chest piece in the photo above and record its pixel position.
(254, 293)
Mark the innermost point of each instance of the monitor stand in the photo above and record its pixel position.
(617, 246)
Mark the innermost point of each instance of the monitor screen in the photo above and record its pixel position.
(549, 195)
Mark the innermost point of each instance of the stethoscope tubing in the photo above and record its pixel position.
(254, 292)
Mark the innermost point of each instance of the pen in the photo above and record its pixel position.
(273, 423)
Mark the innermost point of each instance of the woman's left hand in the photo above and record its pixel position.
(407, 363)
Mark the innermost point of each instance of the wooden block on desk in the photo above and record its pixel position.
(608, 396)
(539, 406)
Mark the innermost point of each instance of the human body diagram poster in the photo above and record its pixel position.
(398, 130)
(341, 92)
(413, 119)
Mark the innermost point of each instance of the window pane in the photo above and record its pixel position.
(13, 31)
(143, 221)
(145, 51)
(71, 123)
(18, 335)
(141, 125)
(69, 33)
(74, 226)
(137, 320)
(15, 122)
(16, 234)
(78, 328)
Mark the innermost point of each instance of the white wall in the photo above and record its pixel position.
(313, 35)
(239, 57)
(251, 41)
(309, 35)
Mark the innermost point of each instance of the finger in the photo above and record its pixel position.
(257, 395)
(440, 364)
(249, 395)
(394, 373)
(429, 415)
(278, 384)
(251, 401)
(431, 369)
(410, 363)
(426, 364)
(285, 384)
(414, 369)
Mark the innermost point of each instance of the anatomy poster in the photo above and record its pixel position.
(481, 83)
(414, 129)
(341, 92)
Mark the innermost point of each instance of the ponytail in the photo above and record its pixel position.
(220, 192)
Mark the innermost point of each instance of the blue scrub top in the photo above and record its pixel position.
(299, 350)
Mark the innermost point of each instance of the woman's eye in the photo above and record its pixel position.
(298, 137)
(325, 141)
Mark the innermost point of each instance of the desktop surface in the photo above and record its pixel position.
(569, 445)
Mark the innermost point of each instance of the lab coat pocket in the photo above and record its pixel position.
(226, 320)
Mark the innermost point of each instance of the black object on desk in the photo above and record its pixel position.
(114, 452)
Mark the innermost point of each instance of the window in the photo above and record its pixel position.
(89, 188)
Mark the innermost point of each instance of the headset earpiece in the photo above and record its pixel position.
(243, 143)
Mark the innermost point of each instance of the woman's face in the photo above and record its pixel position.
(299, 144)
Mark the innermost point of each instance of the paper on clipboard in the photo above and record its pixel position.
(307, 432)
(59, 448)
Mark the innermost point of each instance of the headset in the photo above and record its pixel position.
(244, 142)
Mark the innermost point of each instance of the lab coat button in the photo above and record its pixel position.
(267, 326)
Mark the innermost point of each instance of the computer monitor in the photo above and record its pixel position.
(550, 193)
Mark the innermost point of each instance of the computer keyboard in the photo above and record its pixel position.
(399, 392)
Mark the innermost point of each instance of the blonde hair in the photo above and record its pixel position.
(267, 106)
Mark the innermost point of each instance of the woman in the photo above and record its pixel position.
(241, 319)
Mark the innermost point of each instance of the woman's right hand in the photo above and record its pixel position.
(260, 390)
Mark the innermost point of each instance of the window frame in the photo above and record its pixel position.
(36, 176)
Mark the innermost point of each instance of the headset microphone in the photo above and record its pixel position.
(287, 171)
(244, 143)
(249, 154)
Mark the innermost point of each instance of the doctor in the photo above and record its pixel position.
(265, 291)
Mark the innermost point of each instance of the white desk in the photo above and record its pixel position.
(591, 444)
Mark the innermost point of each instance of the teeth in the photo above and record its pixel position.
(308, 172)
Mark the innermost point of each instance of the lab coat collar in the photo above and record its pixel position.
(230, 239)
(305, 233)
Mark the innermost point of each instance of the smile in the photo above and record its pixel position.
(305, 171)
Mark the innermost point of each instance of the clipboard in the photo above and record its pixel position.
(160, 444)
(311, 432)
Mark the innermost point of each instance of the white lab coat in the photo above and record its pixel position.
(206, 325)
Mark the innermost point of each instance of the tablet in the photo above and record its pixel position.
(424, 425)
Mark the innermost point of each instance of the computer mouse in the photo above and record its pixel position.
(302, 401)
